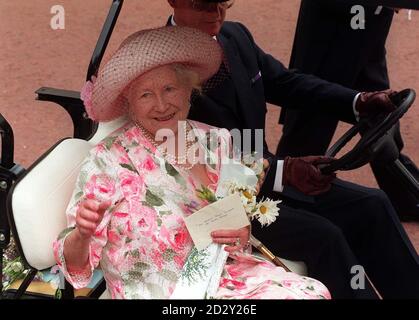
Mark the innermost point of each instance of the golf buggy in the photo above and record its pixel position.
(33, 200)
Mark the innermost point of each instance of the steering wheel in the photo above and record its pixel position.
(375, 135)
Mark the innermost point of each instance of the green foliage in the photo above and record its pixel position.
(128, 166)
(195, 266)
(153, 200)
(171, 171)
(109, 141)
(206, 194)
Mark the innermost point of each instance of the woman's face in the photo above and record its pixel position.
(157, 100)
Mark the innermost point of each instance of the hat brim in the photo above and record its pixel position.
(144, 51)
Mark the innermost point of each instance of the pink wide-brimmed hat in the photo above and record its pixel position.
(142, 52)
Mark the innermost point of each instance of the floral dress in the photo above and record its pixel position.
(142, 242)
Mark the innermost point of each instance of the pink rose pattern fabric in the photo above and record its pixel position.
(142, 242)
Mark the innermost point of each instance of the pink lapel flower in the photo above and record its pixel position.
(87, 93)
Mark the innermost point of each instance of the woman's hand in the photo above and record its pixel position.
(262, 175)
(89, 215)
(76, 246)
(236, 239)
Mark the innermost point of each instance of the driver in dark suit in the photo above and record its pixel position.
(333, 227)
(327, 46)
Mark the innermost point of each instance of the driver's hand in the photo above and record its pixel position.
(303, 174)
(371, 103)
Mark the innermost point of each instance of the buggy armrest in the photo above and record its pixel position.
(53, 94)
(84, 128)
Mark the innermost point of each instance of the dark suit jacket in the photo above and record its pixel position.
(325, 44)
(250, 92)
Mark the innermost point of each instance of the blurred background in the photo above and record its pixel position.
(33, 55)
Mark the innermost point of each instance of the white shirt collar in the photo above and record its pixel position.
(172, 20)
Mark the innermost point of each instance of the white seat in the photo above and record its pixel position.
(40, 198)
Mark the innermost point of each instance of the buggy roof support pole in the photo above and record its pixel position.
(7, 143)
(104, 37)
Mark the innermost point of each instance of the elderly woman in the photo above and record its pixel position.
(128, 208)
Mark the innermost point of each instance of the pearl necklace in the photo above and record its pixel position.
(180, 161)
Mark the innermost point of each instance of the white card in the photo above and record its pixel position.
(227, 213)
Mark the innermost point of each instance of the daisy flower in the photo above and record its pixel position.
(267, 211)
(249, 201)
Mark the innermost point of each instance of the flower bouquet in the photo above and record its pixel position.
(202, 272)
(242, 179)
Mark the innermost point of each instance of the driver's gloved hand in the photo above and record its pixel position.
(371, 103)
(303, 174)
